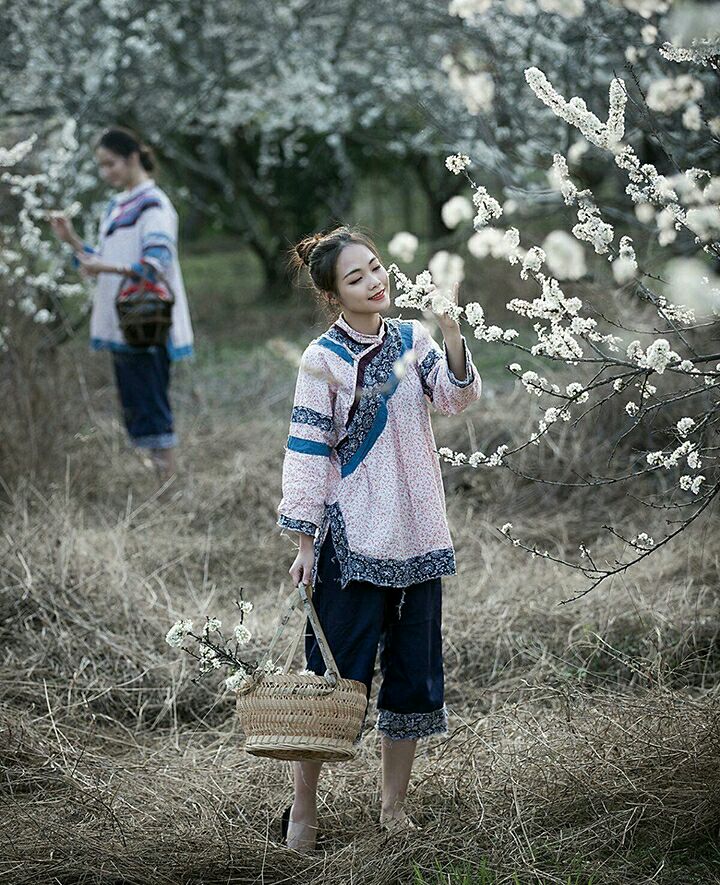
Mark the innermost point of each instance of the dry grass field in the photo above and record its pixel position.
(585, 738)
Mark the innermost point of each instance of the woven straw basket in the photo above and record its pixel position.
(302, 717)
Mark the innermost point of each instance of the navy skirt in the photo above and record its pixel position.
(143, 381)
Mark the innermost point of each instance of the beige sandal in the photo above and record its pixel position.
(399, 825)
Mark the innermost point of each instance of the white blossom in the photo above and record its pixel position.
(565, 257)
(658, 356)
(669, 94)
(456, 210)
(469, 8)
(177, 633)
(477, 88)
(577, 150)
(692, 118)
(242, 634)
(644, 212)
(576, 112)
(446, 269)
(456, 163)
(487, 208)
(16, 154)
(693, 280)
(704, 221)
(486, 242)
(532, 262)
(684, 426)
(239, 680)
(648, 33)
(694, 461)
(403, 246)
(564, 8)
(474, 314)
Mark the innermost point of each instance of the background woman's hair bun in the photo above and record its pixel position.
(124, 142)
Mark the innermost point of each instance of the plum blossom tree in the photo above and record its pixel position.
(663, 381)
(266, 114)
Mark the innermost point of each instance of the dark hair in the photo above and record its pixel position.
(320, 252)
(125, 142)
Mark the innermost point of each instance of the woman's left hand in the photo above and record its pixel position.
(90, 264)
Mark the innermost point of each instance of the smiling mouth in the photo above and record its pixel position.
(380, 295)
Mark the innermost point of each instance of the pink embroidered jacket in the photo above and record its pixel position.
(366, 469)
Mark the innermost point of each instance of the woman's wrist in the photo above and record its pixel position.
(307, 542)
(451, 334)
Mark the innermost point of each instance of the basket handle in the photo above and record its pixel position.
(159, 275)
(301, 595)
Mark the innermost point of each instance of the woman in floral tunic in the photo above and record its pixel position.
(362, 488)
(137, 239)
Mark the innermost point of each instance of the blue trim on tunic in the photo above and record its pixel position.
(175, 353)
(376, 429)
(297, 525)
(406, 333)
(157, 237)
(158, 252)
(129, 217)
(381, 572)
(305, 415)
(307, 446)
(87, 249)
(336, 348)
(146, 271)
(380, 420)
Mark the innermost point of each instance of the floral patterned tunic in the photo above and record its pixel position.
(366, 468)
(139, 229)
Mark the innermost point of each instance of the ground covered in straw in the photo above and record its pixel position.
(585, 738)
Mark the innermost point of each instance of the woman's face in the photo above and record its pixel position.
(363, 284)
(117, 171)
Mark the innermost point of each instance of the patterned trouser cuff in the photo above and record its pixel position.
(412, 726)
(155, 441)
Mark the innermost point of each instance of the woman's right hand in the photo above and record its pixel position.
(301, 569)
(63, 228)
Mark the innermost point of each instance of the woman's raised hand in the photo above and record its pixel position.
(444, 320)
(63, 228)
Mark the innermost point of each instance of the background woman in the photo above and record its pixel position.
(363, 490)
(137, 237)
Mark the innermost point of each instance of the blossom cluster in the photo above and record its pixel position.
(217, 652)
(34, 266)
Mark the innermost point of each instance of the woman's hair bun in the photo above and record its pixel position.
(306, 247)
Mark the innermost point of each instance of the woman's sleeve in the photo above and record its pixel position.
(88, 249)
(312, 436)
(158, 241)
(448, 395)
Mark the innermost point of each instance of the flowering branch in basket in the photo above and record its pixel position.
(216, 651)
